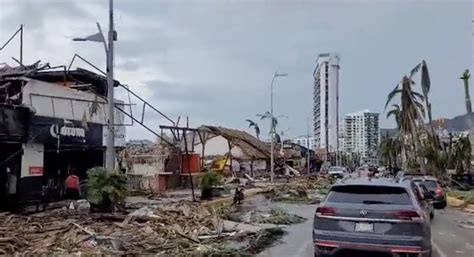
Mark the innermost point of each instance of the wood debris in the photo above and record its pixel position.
(173, 229)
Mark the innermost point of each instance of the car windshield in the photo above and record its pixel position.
(430, 184)
(369, 195)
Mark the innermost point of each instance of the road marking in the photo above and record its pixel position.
(438, 249)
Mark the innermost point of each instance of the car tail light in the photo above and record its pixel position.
(405, 249)
(438, 191)
(326, 246)
(409, 215)
(325, 211)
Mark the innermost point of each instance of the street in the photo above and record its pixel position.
(449, 238)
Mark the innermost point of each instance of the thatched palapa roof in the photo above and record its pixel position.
(251, 146)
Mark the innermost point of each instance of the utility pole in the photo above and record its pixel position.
(272, 128)
(110, 140)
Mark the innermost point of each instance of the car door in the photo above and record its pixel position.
(428, 202)
(424, 204)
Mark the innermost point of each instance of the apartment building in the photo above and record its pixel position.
(326, 102)
(361, 134)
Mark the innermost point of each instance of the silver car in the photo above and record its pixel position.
(374, 217)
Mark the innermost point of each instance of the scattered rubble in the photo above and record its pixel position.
(260, 219)
(276, 216)
(307, 190)
(170, 230)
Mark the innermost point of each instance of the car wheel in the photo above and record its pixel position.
(432, 215)
(443, 205)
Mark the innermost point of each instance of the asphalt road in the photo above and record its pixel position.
(451, 236)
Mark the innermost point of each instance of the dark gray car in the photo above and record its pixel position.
(372, 217)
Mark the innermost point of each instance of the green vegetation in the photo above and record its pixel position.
(207, 181)
(105, 189)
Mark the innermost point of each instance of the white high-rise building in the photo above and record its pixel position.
(326, 102)
(303, 141)
(341, 135)
(362, 131)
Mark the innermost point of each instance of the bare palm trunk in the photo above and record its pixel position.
(467, 95)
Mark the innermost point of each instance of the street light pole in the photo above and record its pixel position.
(109, 52)
(272, 129)
(110, 140)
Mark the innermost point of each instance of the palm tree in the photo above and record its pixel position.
(462, 154)
(425, 85)
(255, 126)
(396, 113)
(409, 115)
(465, 77)
(273, 121)
(385, 150)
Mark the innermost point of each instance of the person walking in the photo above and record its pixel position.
(72, 184)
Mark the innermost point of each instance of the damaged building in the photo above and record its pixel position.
(53, 124)
(245, 153)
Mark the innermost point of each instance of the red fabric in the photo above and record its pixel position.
(72, 181)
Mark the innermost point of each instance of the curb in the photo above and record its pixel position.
(247, 193)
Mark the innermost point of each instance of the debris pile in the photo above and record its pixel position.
(259, 218)
(174, 229)
(276, 216)
(306, 190)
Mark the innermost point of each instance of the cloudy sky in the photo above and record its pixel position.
(213, 60)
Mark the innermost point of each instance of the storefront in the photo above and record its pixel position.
(57, 148)
(13, 133)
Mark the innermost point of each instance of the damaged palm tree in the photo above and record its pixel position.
(255, 126)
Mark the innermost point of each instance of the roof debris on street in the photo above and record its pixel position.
(169, 230)
(303, 190)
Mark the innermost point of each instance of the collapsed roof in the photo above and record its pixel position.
(44, 72)
(252, 147)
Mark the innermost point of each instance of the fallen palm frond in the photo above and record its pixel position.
(279, 217)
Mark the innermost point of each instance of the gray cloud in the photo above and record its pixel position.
(213, 60)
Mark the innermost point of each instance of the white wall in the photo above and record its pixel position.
(57, 101)
(147, 169)
(33, 156)
(218, 145)
(333, 119)
(258, 165)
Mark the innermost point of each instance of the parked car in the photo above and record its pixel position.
(433, 185)
(336, 171)
(372, 215)
(426, 198)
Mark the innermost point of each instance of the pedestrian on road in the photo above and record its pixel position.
(73, 190)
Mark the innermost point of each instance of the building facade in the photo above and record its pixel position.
(303, 141)
(63, 131)
(326, 102)
(362, 134)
